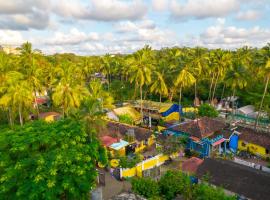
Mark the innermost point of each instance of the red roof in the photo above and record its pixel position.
(41, 100)
(108, 140)
(191, 165)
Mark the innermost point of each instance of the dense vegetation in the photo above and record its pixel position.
(170, 74)
(49, 161)
(175, 183)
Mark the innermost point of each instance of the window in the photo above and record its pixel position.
(266, 151)
(243, 144)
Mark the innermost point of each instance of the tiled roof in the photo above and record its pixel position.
(201, 128)
(108, 140)
(255, 137)
(191, 165)
(122, 129)
(240, 179)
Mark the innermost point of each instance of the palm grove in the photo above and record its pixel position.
(170, 74)
(57, 161)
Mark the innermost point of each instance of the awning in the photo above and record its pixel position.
(218, 142)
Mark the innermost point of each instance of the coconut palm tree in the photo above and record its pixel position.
(159, 85)
(69, 91)
(17, 96)
(184, 79)
(266, 73)
(141, 69)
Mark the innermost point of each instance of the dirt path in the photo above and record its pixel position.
(114, 187)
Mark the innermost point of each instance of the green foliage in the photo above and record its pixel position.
(207, 110)
(176, 183)
(126, 118)
(145, 187)
(129, 161)
(172, 144)
(206, 192)
(48, 161)
(173, 183)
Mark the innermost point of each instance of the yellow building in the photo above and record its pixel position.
(50, 116)
(255, 142)
(126, 110)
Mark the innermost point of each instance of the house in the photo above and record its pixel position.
(50, 116)
(246, 110)
(191, 165)
(139, 138)
(255, 142)
(113, 145)
(237, 178)
(126, 110)
(205, 134)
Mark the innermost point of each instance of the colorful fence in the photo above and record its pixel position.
(144, 165)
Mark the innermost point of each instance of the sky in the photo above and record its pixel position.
(94, 27)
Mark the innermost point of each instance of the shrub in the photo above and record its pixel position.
(173, 183)
(145, 187)
(125, 118)
(129, 162)
(207, 110)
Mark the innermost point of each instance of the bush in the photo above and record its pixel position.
(129, 162)
(207, 192)
(173, 183)
(127, 119)
(145, 187)
(207, 110)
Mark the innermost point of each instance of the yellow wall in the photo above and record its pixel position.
(252, 148)
(120, 152)
(49, 118)
(144, 165)
(142, 146)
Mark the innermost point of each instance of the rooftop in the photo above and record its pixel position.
(116, 128)
(200, 128)
(191, 165)
(255, 137)
(240, 179)
(46, 114)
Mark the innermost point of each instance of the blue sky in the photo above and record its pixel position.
(91, 27)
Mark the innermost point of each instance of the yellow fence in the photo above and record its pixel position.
(144, 165)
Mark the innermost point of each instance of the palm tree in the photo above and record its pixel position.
(236, 78)
(159, 85)
(69, 91)
(266, 73)
(222, 61)
(17, 96)
(141, 70)
(184, 79)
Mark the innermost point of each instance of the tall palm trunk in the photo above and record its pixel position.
(20, 114)
(141, 94)
(180, 100)
(215, 86)
(10, 116)
(195, 89)
(261, 104)
(233, 110)
(36, 103)
(211, 85)
(223, 89)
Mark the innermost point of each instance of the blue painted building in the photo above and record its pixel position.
(205, 135)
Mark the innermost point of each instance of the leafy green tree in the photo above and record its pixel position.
(206, 192)
(207, 110)
(48, 161)
(173, 183)
(145, 187)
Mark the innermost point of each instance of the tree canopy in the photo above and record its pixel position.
(48, 161)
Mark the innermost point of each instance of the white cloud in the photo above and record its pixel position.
(160, 5)
(248, 15)
(201, 9)
(129, 26)
(11, 37)
(102, 10)
(73, 37)
(220, 36)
